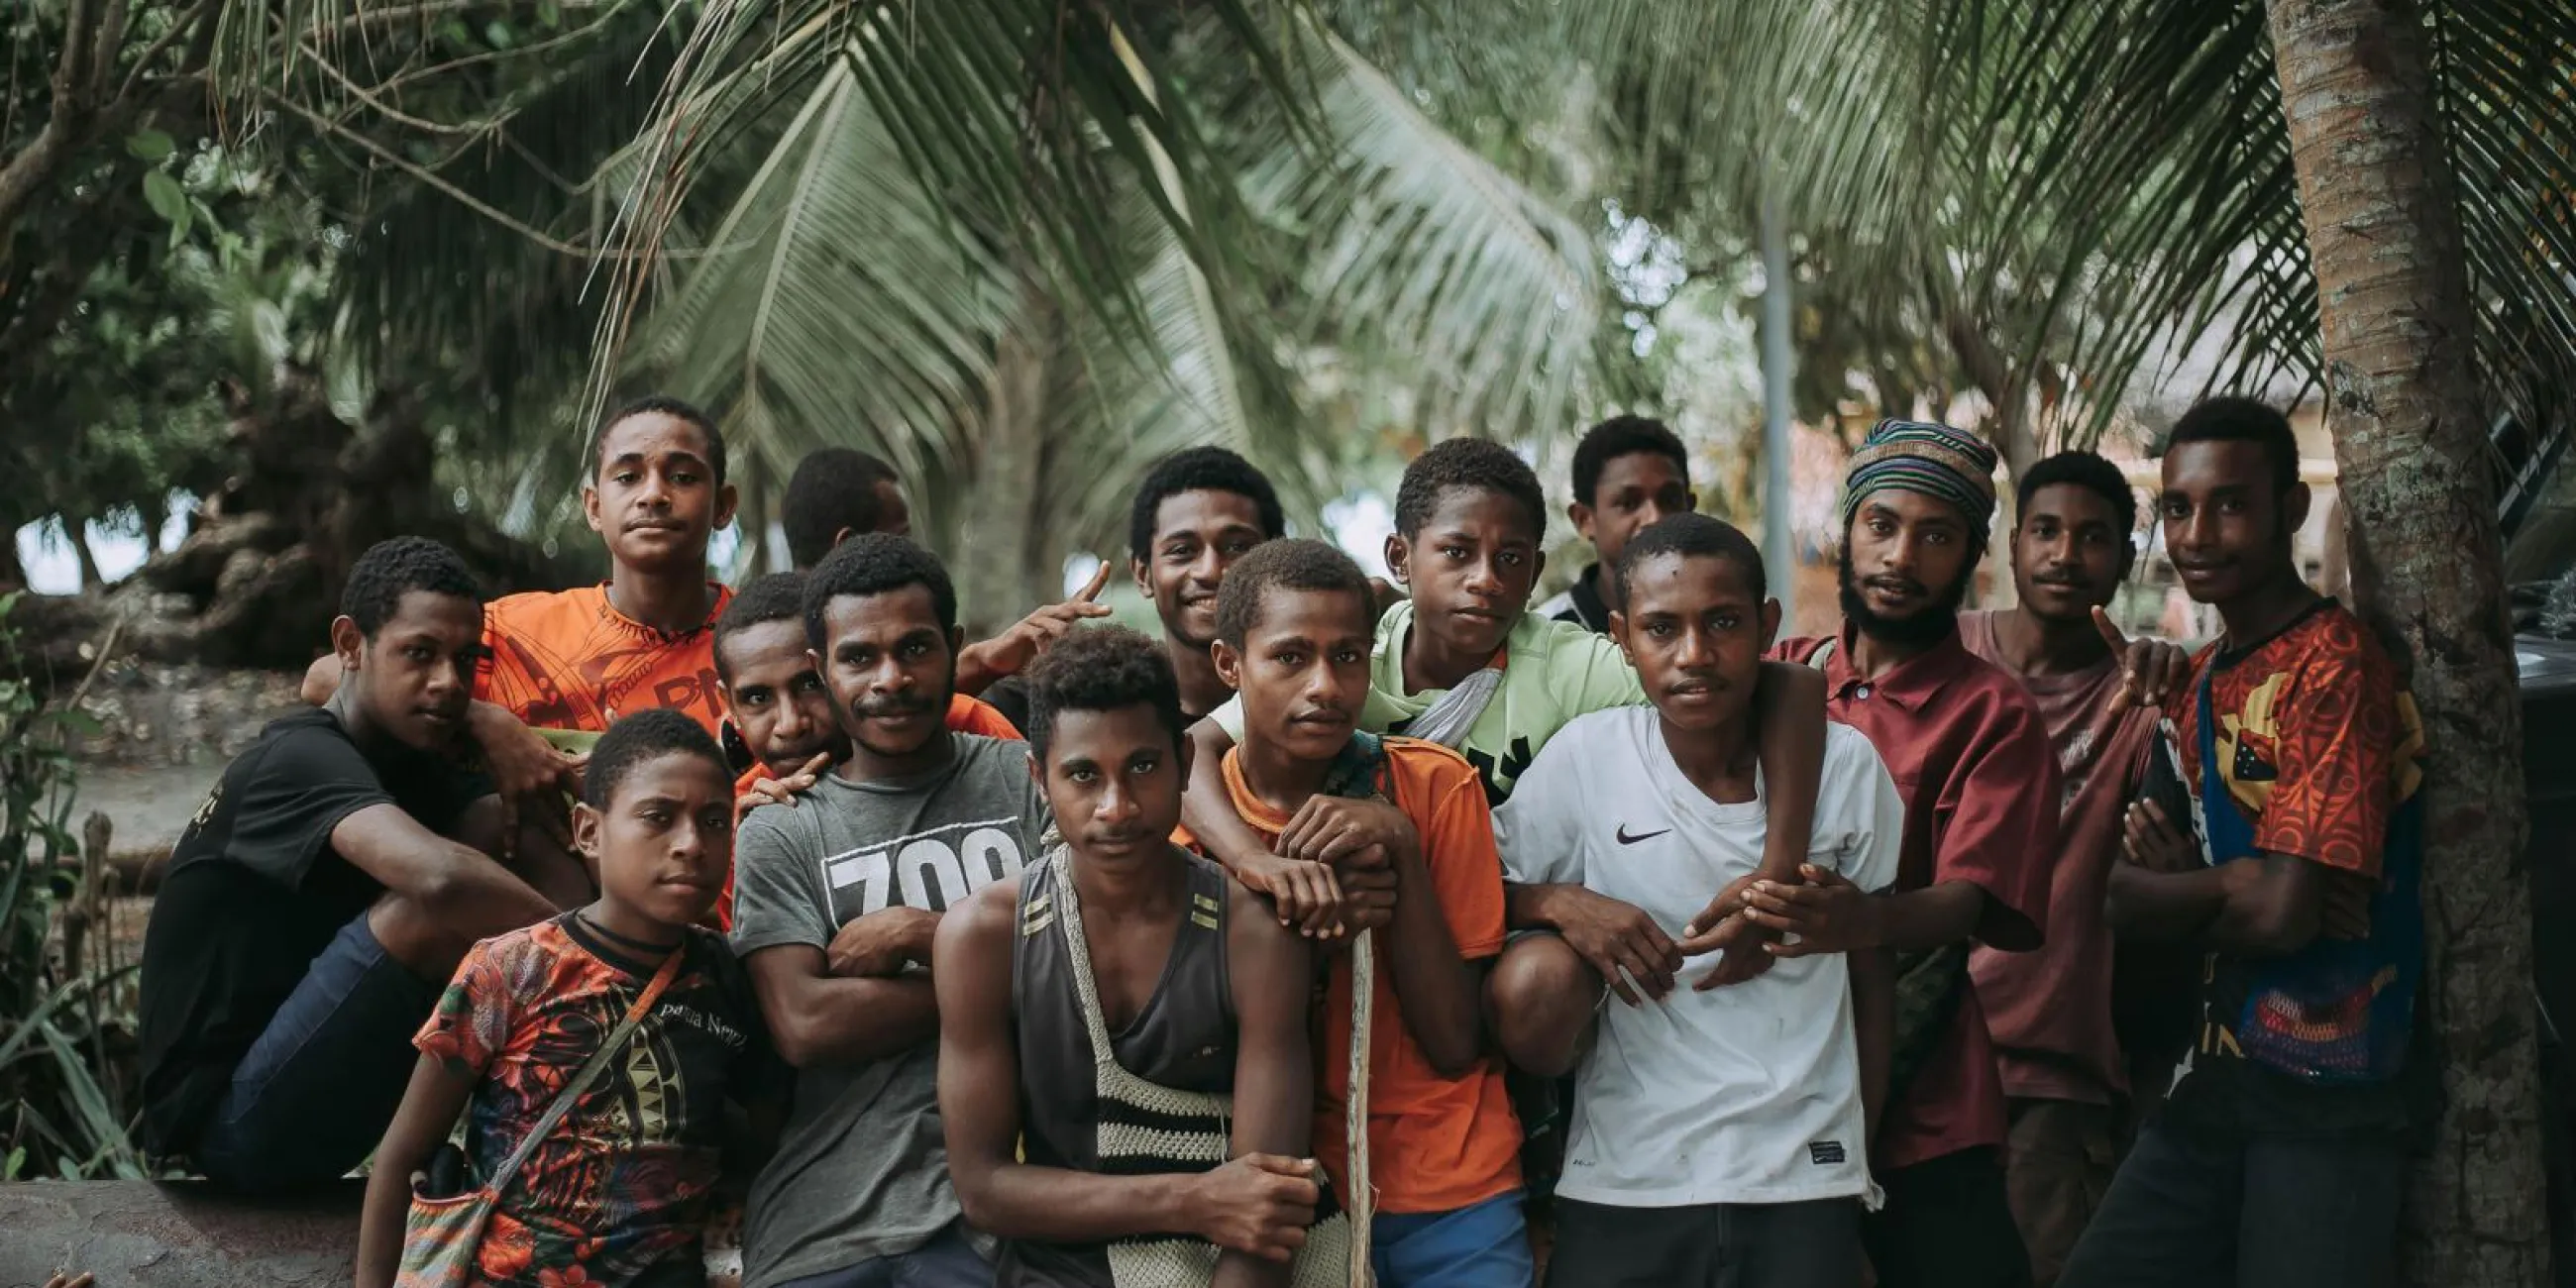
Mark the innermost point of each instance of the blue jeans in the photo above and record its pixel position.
(1482, 1245)
(2260, 1212)
(947, 1261)
(312, 1097)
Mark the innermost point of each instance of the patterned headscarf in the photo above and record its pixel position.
(1947, 464)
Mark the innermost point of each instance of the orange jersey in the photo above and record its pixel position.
(1437, 1144)
(569, 660)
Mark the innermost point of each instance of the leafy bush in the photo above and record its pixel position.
(66, 1018)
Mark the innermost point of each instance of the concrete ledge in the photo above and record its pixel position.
(175, 1235)
(180, 1234)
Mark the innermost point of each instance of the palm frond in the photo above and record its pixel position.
(834, 302)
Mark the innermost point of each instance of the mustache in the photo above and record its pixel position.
(881, 708)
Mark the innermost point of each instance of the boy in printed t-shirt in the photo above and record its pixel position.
(1722, 1139)
(1292, 639)
(616, 1192)
(2283, 838)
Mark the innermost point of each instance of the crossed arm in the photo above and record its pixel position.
(1256, 1207)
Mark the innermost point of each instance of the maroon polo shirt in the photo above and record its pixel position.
(1971, 757)
(2050, 1011)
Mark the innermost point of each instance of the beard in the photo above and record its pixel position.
(1916, 630)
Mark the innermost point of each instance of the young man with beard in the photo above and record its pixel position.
(1124, 1068)
(1970, 753)
(838, 492)
(1293, 640)
(1721, 1139)
(837, 902)
(2280, 1154)
(316, 905)
(2050, 1011)
(1629, 473)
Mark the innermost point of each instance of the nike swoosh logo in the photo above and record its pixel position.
(1625, 839)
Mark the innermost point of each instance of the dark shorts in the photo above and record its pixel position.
(1947, 1223)
(947, 1261)
(1815, 1244)
(313, 1096)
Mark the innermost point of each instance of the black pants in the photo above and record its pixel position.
(2210, 1212)
(1814, 1244)
(1948, 1223)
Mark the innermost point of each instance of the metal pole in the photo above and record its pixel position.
(1778, 553)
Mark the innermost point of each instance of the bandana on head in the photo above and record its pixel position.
(1946, 464)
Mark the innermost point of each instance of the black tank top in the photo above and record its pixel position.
(1182, 1040)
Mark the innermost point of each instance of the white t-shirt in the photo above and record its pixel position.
(1743, 1094)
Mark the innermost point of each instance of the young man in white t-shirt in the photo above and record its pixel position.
(1721, 1135)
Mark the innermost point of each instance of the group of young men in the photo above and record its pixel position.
(1313, 932)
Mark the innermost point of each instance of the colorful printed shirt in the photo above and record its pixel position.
(2317, 746)
(617, 1194)
(569, 660)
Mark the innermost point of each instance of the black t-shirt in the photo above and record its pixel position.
(1010, 696)
(253, 894)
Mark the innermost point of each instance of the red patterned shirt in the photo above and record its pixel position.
(617, 1192)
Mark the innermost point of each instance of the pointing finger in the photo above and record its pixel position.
(1092, 588)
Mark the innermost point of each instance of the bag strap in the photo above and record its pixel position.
(591, 1068)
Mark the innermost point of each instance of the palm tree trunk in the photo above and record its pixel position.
(2427, 574)
(994, 530)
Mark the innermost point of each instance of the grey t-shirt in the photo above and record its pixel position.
(862, 1170)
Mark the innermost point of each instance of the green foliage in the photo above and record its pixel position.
(66, 1026)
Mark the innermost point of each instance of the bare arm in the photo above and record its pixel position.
(2270, 905)
(816, 1018)
(1306, 895)
(979, 1105)
(1873, 989)
(1274, 1089)
(1789, 708)
(1442, 993)
(1831, 915)
(1618, 939)
(429, 1109)
(458, 885)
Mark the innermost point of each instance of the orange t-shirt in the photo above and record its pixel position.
(1435, 1144)
(568, 660)
(965, 715)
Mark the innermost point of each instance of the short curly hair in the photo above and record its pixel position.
(874, 563)
(2090, 471)
(1284, 565)
(395, 567)
(778, 597)
(676, 409)
(1467, 463)
(1200, 469)
(1623, 436)
(834, 489)
(1694, 535)
(2232, 419)
(1107, 668)
(639, 737)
